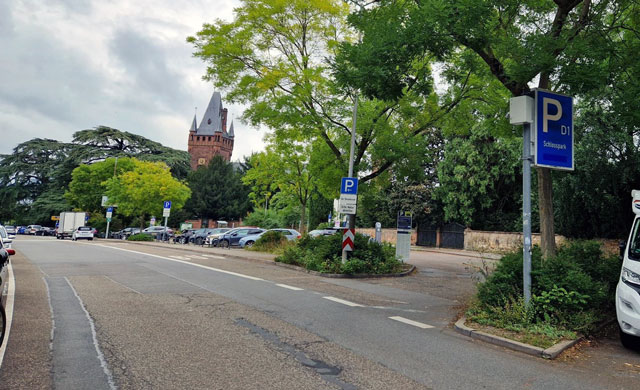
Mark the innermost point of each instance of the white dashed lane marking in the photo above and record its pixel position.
(289, 287)
(344, 302)
(411, 322)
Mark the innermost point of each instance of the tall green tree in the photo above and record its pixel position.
(89, 182)
(285, 166)
(276, 56)
(543, 41)
(142, 191)
(217, 192)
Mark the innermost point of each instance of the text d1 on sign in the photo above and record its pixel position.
(553, 130)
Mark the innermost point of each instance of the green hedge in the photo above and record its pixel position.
(140, 237)
(324, 254)
(271, 241)
(573, 291)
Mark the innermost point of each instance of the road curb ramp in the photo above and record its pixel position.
(549, 353)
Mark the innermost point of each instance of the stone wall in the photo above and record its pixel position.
(501, 242)
(388, 235)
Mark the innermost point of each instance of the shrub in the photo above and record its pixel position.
(271, 241)
(572, 291)
(324, 254)
(140, 237)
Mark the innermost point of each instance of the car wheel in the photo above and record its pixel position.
(224, 244)
(249, 244)
(199, 241)
(91, 239)
(629, 341)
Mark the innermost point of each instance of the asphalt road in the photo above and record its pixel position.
(118, 315)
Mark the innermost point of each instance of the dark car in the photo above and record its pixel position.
(125, 233)
(200, 235)
(159, 232)
(233, 237)
(183, 238)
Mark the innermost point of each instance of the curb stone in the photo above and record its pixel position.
(270, 259)
(549, 353)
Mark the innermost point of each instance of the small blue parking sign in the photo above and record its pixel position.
(109, 209)
(349, 186)
(167, 204)
(553, 130)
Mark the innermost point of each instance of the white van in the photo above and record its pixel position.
(628, 291)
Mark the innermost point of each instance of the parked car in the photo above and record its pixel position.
(33, 229)
(248, 241)
(199, 237)
(212, 239)
(4, 260)
(6, 238)
(46, 231)
(125, 233)
(183, 238)
(155, 231)
(83, 233)
(11, 230)
(21, 230)
(232, 238)
(324, 232)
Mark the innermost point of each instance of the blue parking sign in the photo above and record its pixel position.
(553, 130)
(349, 185)
(167, 204)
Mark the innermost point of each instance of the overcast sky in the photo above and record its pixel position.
(69, 65)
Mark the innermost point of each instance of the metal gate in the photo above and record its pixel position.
(426, 237)
(452, 236)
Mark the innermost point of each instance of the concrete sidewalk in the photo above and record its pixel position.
(457, 252)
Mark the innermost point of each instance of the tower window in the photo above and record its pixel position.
(209, 138)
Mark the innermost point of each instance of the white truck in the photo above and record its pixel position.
(69, 222)
(628, 290)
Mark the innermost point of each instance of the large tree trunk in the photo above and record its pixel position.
(545, 206)
(303, 215)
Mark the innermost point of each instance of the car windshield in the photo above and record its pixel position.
(634, 245)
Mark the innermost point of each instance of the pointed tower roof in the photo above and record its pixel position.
(230, 133)
(212, 119)
(194, 125)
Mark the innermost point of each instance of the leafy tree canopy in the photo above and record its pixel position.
(142, 191)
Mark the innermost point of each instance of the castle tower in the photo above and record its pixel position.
(211, 137)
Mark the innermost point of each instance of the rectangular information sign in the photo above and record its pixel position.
(553, 130)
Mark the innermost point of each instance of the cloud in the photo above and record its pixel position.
(70, 65)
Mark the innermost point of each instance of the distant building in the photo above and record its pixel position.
(211, 138)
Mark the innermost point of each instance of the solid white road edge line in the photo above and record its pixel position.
(103, 362)
(348, 303)
(215, 257)
(411, 322)
(8, 311)
(184, 262)
(289, 287)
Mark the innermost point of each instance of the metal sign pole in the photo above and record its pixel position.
(106, 235)
(526, 211)
(351, 218)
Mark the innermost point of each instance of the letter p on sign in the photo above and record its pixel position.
(546, 117)
(349, 185)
